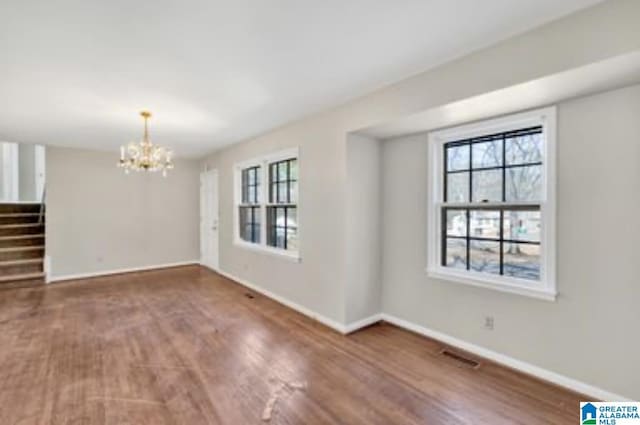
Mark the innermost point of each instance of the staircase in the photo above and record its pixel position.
(21, 245)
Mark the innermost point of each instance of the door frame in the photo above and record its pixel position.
(214, 261)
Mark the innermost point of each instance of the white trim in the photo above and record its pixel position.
(263, 162)
(285, 255)
(333, 324)
(363, 323)
(498, 283)
(40, 171)
(121, 271)
(47, 268)
(529, 369)
(546, 289)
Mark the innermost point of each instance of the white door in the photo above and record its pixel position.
(209, 219)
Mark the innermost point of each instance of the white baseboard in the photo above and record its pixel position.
(363, 323)
(333, 324)
(538, 372)
(529, 369)
(119, 271)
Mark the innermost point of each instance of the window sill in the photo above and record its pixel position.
(508, 285)
(292, 256)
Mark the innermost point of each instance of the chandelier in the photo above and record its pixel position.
(145, 156)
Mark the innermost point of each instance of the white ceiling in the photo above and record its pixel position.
(76, 72)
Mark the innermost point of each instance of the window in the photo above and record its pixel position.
(249, 208)
(491, 209)
(267, 192)
(282, 212)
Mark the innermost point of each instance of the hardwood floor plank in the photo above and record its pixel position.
(186, 346)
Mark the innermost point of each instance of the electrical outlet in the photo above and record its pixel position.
(489, 322)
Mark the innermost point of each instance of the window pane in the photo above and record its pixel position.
(245, 233)
(292, 239)
(487, 186)
(273, 172)
(458, 187)
(245, 194)
(245, 216)
(522, 225)
(249, 225)
(456, 223)
(256, 233)
(251, 176)
(292, 217)
(485, 256)
(487, 154)
(280, 236)
(485, 224)
(271, 226)
(293, 192)
(458, 157)
(456, 255)
(251, 233)
(279, 219)
(522, 260)
(283, 168)
(293, 169)
(524, 183)
(273, 193)
(282, 193)
(524, 149)
(276, 227)
(252, 195)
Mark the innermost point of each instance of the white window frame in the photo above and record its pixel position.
(263, 202)
(545, 288)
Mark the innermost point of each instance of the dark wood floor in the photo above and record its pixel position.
(186, 346)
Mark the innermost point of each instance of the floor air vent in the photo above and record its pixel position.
(460, 359)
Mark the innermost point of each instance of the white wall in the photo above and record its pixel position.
(319, 282)
(332, 259)
(99, 219)
(363, 228)
(27, 173)
(586, 333)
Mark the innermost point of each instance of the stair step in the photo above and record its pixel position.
(18, 280)
(20, 229)
(19, 218)
(21, 248)
(18, 267)
(22, 252)
(19, 262)
(19, 208)
(21, 240)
